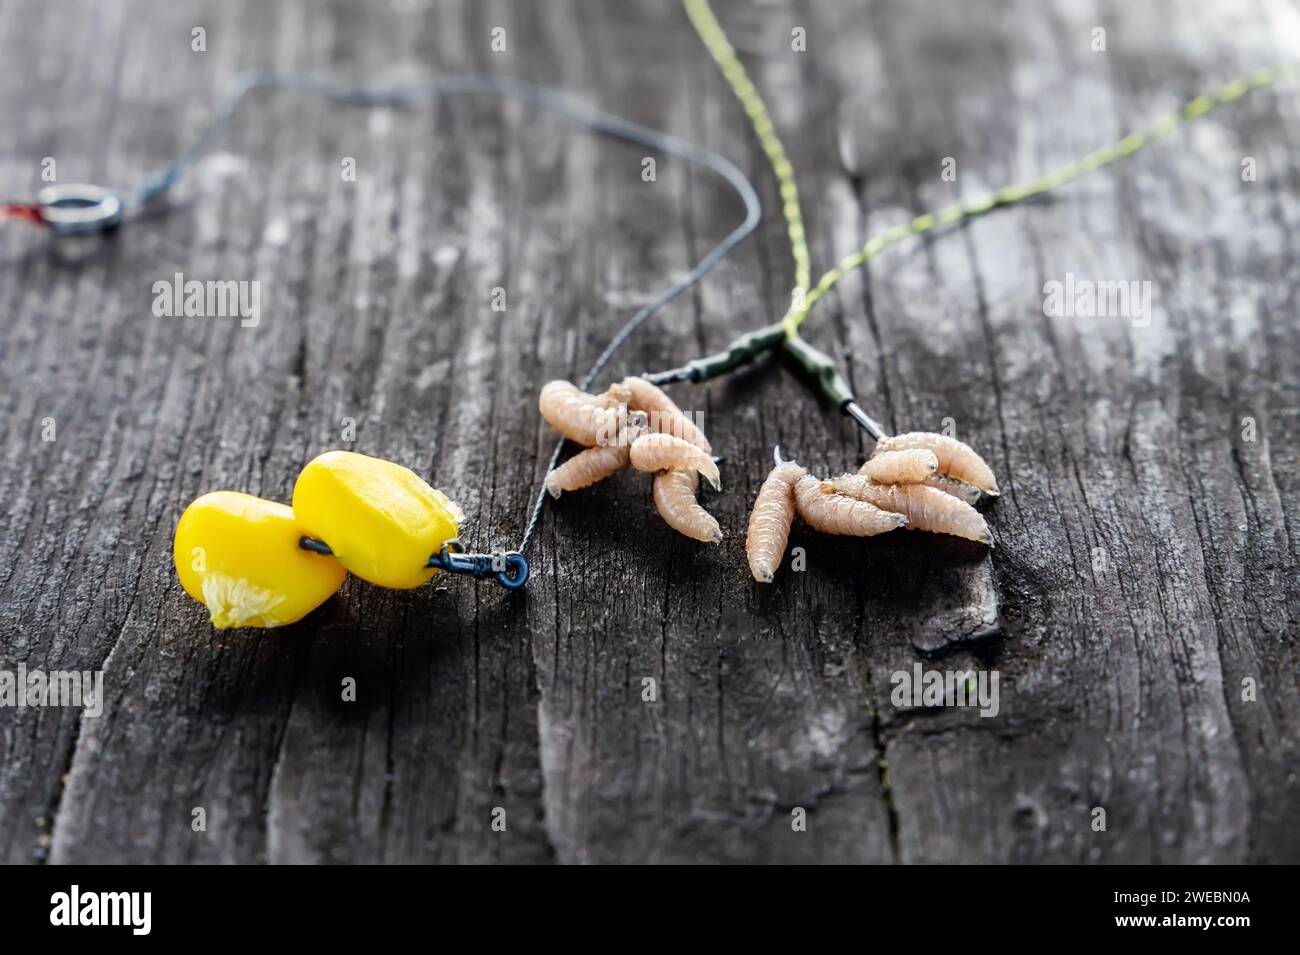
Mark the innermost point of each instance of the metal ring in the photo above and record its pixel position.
(517, 563)
(78, 209)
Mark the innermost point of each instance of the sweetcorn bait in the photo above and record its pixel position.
(381, 520)
(238, 555)
(956, 459)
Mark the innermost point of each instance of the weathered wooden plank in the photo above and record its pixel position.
(1146, 559)
(1115, 691)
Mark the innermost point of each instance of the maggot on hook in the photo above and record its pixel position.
(894, 494)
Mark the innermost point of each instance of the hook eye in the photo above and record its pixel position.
(79, 209)
(516, 573)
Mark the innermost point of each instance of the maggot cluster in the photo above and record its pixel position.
(634, 423)
(918, 481)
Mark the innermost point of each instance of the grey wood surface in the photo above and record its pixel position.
(1146, 563)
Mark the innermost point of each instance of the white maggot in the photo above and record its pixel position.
(838, 514)
(674, 493)
(656, 452)
(594, 464)
(925, 508)
(770, 520)
(913, 466)
(956, 459)
(663, 413)
(580, 417)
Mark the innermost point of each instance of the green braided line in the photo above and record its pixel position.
(1011, 195)
(715, 41)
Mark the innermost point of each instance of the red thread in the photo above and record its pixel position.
(28, 212)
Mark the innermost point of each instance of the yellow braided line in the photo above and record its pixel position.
(716, 41)
(1029, 188)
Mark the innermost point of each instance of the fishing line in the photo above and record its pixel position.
(85, 209)
(819, 368)
(960, 212)
(751, 101)
(69, 210)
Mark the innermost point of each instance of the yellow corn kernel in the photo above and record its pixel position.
(380, 519)
(238, 555)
